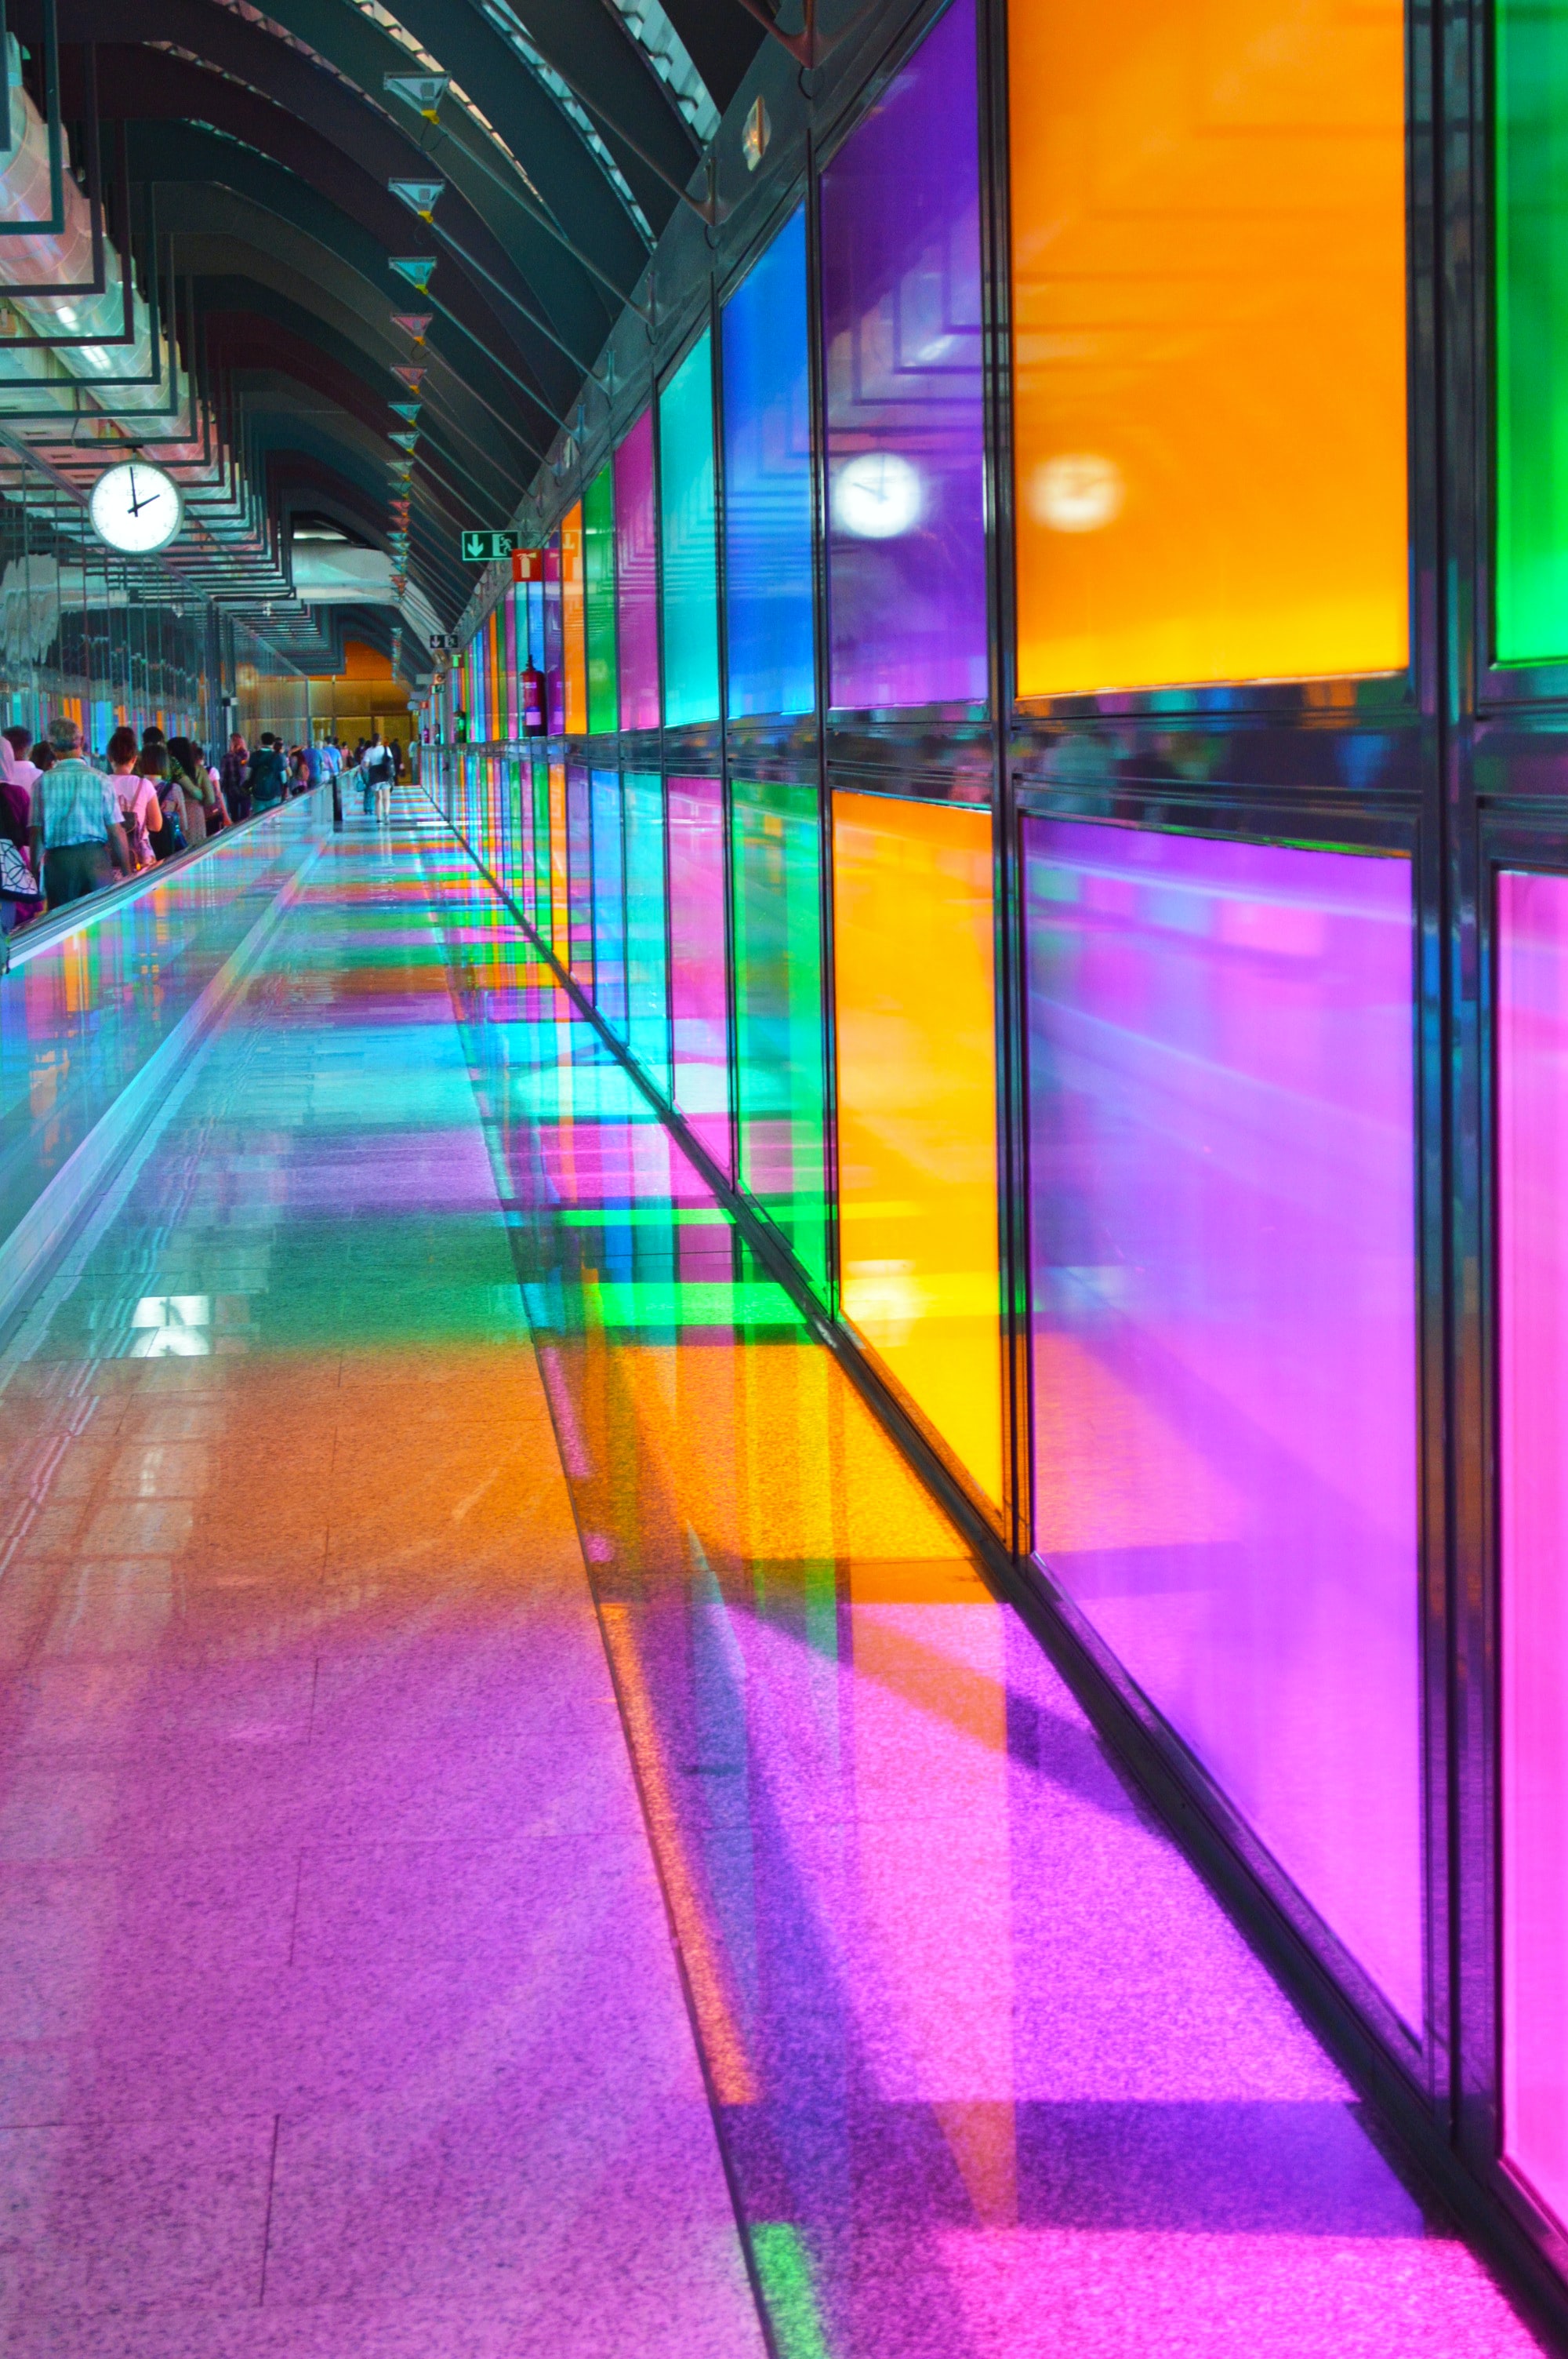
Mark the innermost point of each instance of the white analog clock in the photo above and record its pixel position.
(877, 495)
(135, 508)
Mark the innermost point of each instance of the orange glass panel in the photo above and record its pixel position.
(1209, 288)
(574, 619)
(917, 1149)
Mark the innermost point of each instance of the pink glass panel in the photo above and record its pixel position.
(698, 997)
(1532, 1289)
(1225, 1329)
(636, 577)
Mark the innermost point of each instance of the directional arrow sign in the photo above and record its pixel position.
(484, 548)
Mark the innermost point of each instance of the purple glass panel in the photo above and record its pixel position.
(1532, 1302)
(636, 575)
(698, 995)
(901, 294)
(555, 646)
(1225, 1329)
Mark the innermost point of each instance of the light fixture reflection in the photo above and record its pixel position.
(1077, 492)
(877, 495)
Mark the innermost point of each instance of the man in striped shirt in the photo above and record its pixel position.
(76, 817)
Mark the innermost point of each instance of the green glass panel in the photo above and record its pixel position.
(541, 911)
(688, 536)
(780, 1050)
(599, 596)
(647, 953)
(1531, 146)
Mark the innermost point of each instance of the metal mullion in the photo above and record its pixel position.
(1007, 935)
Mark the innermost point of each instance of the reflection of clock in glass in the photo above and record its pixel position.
(877, 495)
(135, 508)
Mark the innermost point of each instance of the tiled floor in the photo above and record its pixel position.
(342, 1826)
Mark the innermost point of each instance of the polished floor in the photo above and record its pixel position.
(521, 1830)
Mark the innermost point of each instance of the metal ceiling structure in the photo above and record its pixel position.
(364, 223)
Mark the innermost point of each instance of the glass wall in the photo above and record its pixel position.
(767, 483)
(688, 539)
(914, 1001)
(1532, 1408)
(574, 624)
(1222, 1147)
(779, 1055)
(579, 877)
(699, 994)
(901, 297)
(1208, 212)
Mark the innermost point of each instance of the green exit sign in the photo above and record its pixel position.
(485, 548)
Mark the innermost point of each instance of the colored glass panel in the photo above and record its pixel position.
(1532, 1290)
(574, 622)
(767, 483)
(780, 1062)
(914, 999)
(1208, 212)
(636, 575)
(648, 960)
(522, 879)
(901, 300)
(688, 531)
(699, 986)
(513, 664)
(609, 901)
(542, 888)
(1223, 1159)
(560, 934)
(1530, 143)
(554, 639)
(579, 877)
(599, 601)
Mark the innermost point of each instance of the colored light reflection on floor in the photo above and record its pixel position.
(996, 2076)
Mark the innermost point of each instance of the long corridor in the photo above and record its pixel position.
(522, 1829)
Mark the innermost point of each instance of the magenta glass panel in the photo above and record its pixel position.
(636, 576)
(697, 997)
(1532, 1310)
(901, 297)
(1222, 1139)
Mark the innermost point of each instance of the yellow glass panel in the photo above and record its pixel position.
(574, 621)
(917, 1147)
(1208, 214)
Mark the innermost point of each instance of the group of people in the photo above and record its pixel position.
(69, 826)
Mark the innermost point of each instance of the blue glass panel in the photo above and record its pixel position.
(579, 878)
(767, 483)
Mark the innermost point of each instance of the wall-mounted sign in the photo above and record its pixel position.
(485, 548)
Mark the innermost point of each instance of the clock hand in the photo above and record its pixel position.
(136, 504)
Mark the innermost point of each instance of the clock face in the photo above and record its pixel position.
(135, 508)
(877, 495)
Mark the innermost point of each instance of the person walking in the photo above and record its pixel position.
(232, 779)
(77, 826)
(19, 897)
(375, 773)
(194, 784)
(137, 796)
(266, 776)
(24, 769)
